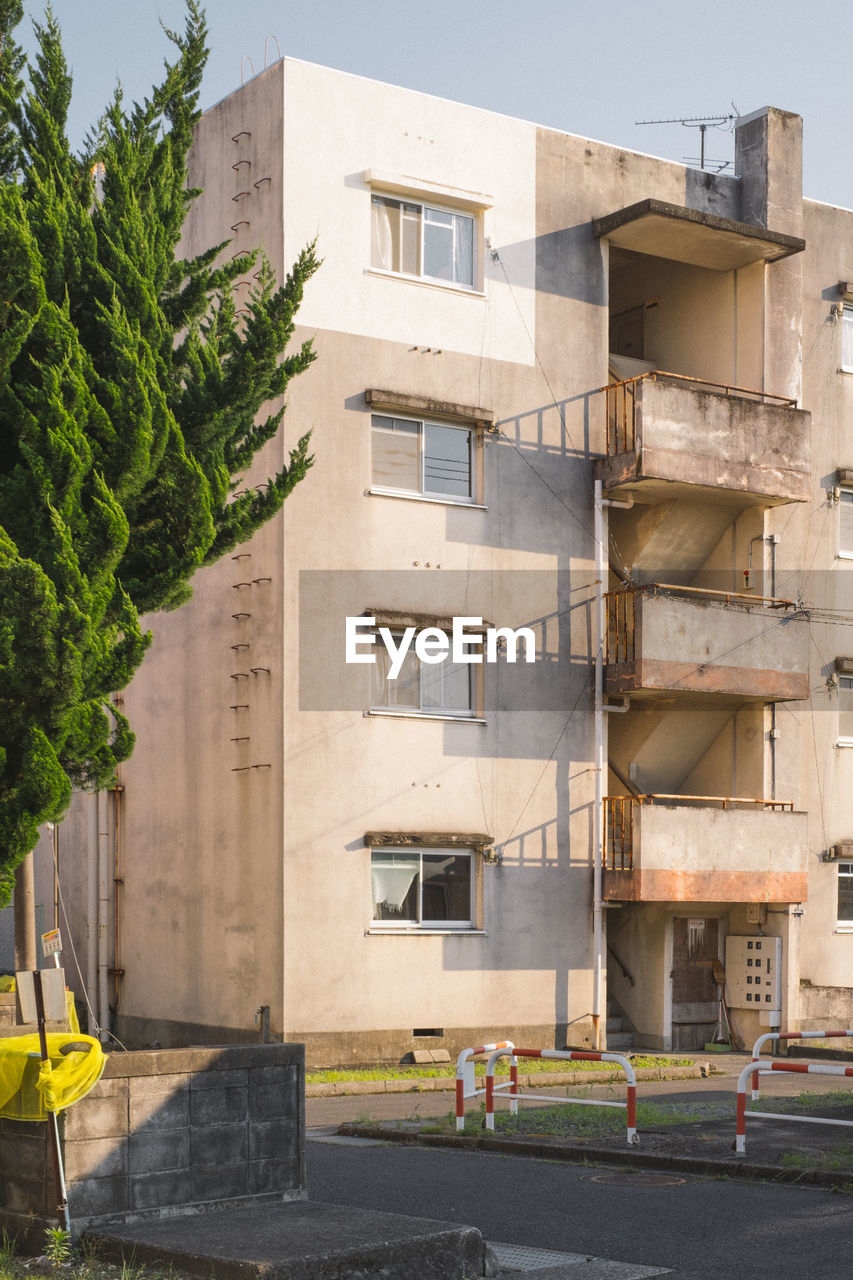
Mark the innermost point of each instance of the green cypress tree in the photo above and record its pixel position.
(131, 401)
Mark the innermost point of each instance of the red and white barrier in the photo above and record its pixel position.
(794, 1068)
(465, 1079)
(785, 1035)
(559, 1055)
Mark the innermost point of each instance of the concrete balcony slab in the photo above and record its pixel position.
(670, 437)
(701, 852)
(666, 640)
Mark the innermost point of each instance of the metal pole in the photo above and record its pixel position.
(598, 853)
(56, 1151)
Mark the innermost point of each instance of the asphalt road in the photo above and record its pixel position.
(700, 1228)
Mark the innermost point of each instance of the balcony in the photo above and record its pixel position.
(683, 640)
(666, 432)
(703, 849)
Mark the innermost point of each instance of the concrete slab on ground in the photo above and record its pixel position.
(299, 1240)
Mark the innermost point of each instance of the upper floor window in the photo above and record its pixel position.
(845, 710)
(845, 520)
(847, 338)
(845, 894)
(426, 458)
(439, 687)
(422, 240)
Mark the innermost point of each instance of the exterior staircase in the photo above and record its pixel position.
(620, 1032)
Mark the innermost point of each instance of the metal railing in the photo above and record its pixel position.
(619, 819)
(622, 398)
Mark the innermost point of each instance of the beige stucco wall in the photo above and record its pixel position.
(245, 873)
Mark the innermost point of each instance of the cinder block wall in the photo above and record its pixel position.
(174, 1130)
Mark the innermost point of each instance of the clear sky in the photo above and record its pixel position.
(588, 68)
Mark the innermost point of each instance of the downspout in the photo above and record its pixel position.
(601, 564)
(598, 825)
(103, 916)
(92, 908)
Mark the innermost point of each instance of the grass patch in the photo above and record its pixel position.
(447, 1070)
(839, 1160)
(80, 1263)
(805, 1101)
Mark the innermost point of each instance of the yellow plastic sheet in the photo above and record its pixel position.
(30, 1089)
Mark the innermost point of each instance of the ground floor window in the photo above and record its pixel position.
(422, 888)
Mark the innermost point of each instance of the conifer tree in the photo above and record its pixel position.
(131, 401)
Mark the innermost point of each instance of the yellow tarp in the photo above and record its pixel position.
(29, 1088)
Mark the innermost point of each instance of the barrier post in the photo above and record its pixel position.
(630, 1104)
(785, 1035)
(465, 1079)
(791, 1068)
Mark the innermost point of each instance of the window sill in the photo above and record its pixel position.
(426, 715)
(843, 928)
(420, 497)
(402, 931)
(446, 286)
(844, 742)
(844, 555)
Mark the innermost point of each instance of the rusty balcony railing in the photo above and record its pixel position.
(623, 400)
(619, 819)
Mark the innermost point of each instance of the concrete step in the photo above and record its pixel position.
(618, 1041)
(298, 1241)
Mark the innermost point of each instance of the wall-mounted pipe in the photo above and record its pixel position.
(103, 915)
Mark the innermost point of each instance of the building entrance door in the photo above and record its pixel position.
(695, 947)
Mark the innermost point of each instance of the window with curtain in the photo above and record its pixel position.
(845, 710)
(422, 888)
(421, 240)
(845, 523)
(426, 458)
(444, 688)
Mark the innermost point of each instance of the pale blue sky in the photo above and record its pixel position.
(588, 68)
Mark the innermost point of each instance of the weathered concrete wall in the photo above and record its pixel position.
(164, 1132)
(689, 644)
(711, 439)
(696, 853)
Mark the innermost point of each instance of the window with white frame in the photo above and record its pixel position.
(421, 240)
(422, 888)
(845, 522)
(845, 710)
(430, 459)
(847, 338)
(438, 688)
(845, 894)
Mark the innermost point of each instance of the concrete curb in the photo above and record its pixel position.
(540, 1079)
(537, 1149)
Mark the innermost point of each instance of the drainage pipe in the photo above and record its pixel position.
(92, 908)
(600, 764)
(103, 915)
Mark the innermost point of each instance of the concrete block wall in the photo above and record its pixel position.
(164, 1131)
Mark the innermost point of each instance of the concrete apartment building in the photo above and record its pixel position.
(562, 387)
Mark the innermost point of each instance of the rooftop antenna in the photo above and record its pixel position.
(703, 124)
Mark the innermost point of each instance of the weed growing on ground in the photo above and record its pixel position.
(445, 1071)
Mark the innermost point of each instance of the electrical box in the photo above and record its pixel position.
(754, 973)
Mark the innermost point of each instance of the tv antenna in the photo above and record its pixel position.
(703, 124)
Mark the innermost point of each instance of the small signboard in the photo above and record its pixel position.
(53, 994)
(51, 943)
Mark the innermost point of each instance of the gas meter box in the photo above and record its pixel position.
(754, 973)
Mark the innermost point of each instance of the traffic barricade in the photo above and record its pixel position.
(559, 1055)
(785, 1035)
(796, 1068)
(466, 1084)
